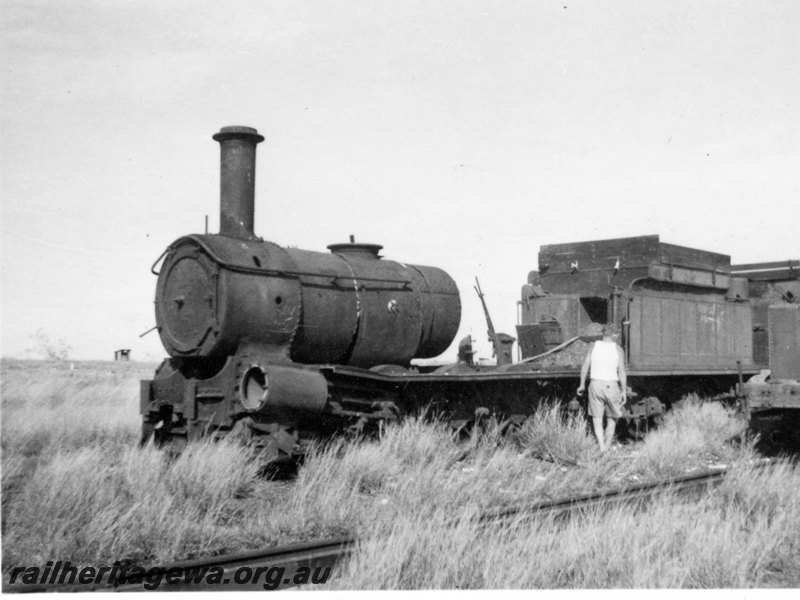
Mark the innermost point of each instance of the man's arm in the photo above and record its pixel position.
(621, 372)
(585, 371)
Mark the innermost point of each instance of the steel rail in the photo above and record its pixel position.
(327, 553)
(632, 494)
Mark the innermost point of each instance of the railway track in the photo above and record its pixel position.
(314, 561)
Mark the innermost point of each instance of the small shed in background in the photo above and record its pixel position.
(122, 354)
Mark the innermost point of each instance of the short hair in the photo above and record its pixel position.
(610, 329)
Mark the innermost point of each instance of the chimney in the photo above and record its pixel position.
(237, 180)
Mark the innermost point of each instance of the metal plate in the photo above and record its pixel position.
(784, 341)
(185, 304)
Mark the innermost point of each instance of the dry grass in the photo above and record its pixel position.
(694, 429)
(96, 503)
(743, 535)
(550, 435)
(76, 486)
(47, 407)
(417, 470)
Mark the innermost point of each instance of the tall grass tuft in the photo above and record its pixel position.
(694, 428)
(551, 434)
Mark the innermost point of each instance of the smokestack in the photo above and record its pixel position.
(237, 180)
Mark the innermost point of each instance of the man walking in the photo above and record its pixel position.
(606, 361)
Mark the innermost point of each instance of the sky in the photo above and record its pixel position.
(461, 135)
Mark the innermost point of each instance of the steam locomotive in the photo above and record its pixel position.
(281, 345)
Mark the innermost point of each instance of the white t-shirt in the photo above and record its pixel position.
(605, 361)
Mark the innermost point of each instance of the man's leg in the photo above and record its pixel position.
(597, 424)
(610, 427)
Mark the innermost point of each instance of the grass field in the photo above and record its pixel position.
(744, 534)
(77, 487)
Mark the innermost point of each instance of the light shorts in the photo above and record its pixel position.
(605, 397)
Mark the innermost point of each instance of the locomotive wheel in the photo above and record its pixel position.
(465, 428)
(482, 424)
(276, 443)
(636, 428)
(778, 431)
(148, 431)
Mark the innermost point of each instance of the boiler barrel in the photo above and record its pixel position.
(348, 307)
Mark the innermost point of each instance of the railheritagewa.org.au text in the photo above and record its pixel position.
(269, 578)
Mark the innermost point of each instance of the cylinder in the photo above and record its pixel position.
(271, 389)
(237, 180)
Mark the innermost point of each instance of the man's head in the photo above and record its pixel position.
(610, 331)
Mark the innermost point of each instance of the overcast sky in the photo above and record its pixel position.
(462, 135)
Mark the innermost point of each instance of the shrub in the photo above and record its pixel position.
(693, 428)
(550, 434)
